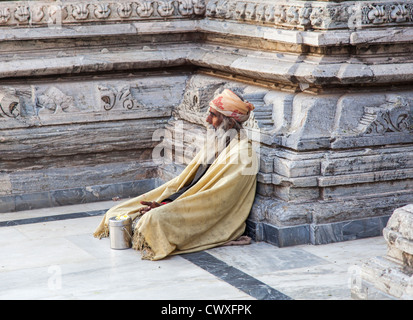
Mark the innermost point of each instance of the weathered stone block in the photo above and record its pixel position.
(391, 275)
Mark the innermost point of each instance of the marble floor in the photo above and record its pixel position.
(51, 254)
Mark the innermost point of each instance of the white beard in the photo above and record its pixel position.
(216, 141)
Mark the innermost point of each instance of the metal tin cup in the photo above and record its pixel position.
(120, 233)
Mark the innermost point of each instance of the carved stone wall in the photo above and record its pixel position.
(324, 176)
(87, 139)
(87, 88)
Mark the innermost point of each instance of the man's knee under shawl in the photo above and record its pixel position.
(209, 214)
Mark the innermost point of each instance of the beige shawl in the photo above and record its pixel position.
(209, 214)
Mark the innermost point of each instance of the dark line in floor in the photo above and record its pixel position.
(235, 277)
(58, 217)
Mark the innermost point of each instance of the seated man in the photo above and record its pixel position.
(208, 203)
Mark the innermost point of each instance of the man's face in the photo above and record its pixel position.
(214, 118)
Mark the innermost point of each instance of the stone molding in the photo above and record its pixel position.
(286, 14)
(314, 14)
(20, 13)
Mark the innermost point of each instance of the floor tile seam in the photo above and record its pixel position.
(293, 272)
(220, 269)
(63, 209)
(52, 218)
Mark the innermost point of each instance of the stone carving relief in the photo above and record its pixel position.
(102, 11)
(37, 14)
(297, 14)
(80, 11)
(54, 101)
(117, 99)
(393, 116)
(9, 105)
(185, 7)
(165, 8)
(313, 14)
(4, 15)
(199, 7)
(145, 8)
(13, 13)
(124, 10)
(387, 13)
(56, 14)
(22, 13)
(399, 13)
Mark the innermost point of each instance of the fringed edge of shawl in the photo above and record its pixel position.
(102, 234)
(139, 244)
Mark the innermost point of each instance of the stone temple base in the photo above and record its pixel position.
(316, 233)
(389, 277)
(383, 279)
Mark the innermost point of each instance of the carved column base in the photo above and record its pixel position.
(390, 277)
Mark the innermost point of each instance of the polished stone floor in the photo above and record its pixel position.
(51, 254)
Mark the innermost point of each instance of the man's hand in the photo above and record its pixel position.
(149, 206)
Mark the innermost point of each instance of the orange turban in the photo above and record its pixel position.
(230, 105)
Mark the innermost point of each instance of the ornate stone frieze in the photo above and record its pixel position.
(114, 99)
(54, 101)
(393, 116)
(56, 13)
(314, 14)
(4, 15)
(9, 105)
(290, 14)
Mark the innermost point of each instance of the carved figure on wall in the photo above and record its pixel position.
(124, 10)
(54, 101)
(280, 14)
(185, 7)
(199, 6)
(165, 8)
(269, 13)
(37, 14)
(377, 14)
(102, 10)
(260, 12)
(22, 13)
(240, 10)
(80, 11)
(56, 14)
(399, 12)
(9, 105)
(211, 8)
(121, 99)
(250, 11)
(304, 16)
(393, 116)
(144, 8)
(224, 9)
(293, 15)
